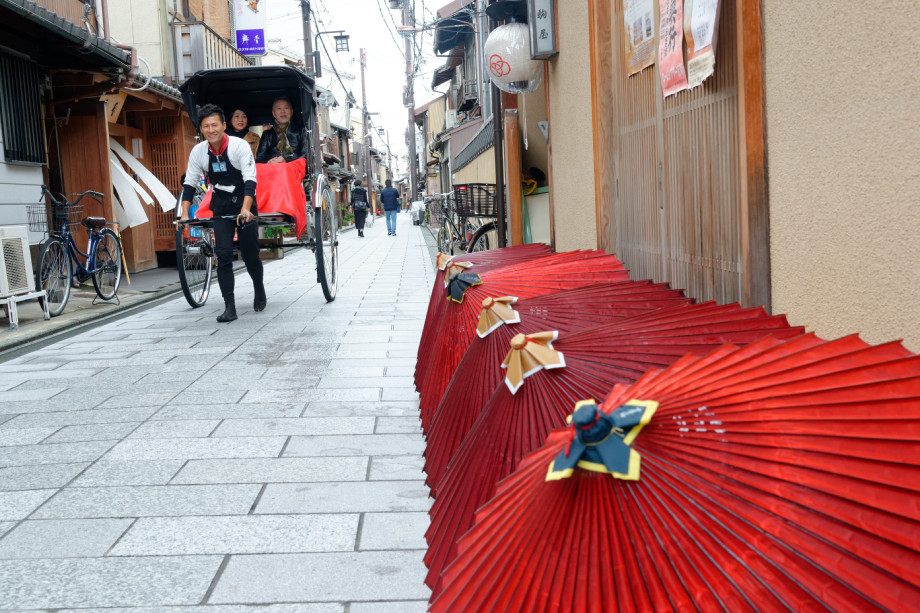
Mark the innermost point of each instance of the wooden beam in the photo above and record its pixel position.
(601, 44)
(755, 212)
(513, 176)
(549, 158)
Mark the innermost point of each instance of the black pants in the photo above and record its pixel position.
(360, 216)
(247, 239)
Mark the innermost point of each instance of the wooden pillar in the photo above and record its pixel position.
(755, 213)
(602, 99)
(513, 174)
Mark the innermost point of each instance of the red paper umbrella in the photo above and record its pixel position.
(478, 373)
(512, 424)
(481, 261)
(775, 477)
(465, 294)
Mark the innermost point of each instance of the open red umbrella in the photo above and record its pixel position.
(463, 301)
(481, 261)
(478, 373)
(781, 476)
(514, 423)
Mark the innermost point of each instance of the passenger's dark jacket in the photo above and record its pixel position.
(297, 139)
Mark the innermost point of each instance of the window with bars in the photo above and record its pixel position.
(20, 110)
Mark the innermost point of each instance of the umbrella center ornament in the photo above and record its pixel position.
(442, 260)
(602, 442)
(459, 283)
(494, 313)
(454, 268)
(530, 354)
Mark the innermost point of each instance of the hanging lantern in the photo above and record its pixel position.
(507, 53)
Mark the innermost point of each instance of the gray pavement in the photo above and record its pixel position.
(165, 462)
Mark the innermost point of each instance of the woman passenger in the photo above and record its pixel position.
(239, 127)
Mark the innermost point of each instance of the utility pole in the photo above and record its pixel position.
(309, 67)
(408, 19)
(366, 139)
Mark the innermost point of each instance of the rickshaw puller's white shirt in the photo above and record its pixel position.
(231, 170)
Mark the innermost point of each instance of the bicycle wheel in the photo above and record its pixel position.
(107, 264)
(54, 274)
(195, 261)
(485, 238)
(445, 239)
(327, 246)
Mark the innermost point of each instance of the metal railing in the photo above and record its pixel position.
(201, 48)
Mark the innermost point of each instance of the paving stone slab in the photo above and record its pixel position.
(24, 436)
(79, 417)
(126, 401)
(108, 472)
(182, 428)
(94, 432)
(304, 426)
(393, 531)
(15, 396)
(361, 380)
(62, 538)
(318, 577)
(6, 526)
(164, 536)
(58, 453)
(18, 505)
(371, 445)
(313, 607)
(42, 476)
(150, 501)
(36, 584)
(229, 411)
(274, 470)
(188, 448)
(405, 606)
(392, 425)
(397, 468)
(312, 395)
(349, 409)
(393, 393)
(344, 497)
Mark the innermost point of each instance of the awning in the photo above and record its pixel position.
(446, 72)
(453, 28)
(62, 44)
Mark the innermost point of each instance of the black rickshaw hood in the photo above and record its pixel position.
(252, 88)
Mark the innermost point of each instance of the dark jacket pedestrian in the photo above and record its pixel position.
(390, 198)
(359, 206)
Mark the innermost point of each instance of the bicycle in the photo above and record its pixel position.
(460, 222)
(59, 258)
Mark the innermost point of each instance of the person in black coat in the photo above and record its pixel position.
(282, 142)
(359, 206)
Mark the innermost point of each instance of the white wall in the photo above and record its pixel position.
(140, 23)
(19, 186)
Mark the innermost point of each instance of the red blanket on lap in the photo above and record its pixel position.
(279, 190)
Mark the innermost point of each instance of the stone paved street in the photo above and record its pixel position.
(165, 461)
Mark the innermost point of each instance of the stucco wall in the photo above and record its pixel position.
(141, 24)
(571, 136)
(843, 151)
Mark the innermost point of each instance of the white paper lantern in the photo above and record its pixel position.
(507, 52)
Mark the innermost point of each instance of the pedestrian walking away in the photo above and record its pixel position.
(228, 163)
(359, 206)
(390, 198)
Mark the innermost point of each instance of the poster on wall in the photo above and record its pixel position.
(671, 47)
(701, 22)
(639, 21)
(250, 17)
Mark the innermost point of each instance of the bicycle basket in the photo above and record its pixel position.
(72, 214)
(475, 199)
(38, 217)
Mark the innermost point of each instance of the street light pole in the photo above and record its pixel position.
(308, 59)
(408, 18)
(366, 139)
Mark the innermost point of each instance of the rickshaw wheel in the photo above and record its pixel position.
(324, 228)
(195, 261)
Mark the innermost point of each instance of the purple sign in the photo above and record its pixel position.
(250, 42)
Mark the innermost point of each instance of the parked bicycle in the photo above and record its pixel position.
(60, 261)
(460, 219)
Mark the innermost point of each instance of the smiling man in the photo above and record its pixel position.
(282, 143)
(228, 164)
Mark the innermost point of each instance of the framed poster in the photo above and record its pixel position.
(639, 21)
(671, 47)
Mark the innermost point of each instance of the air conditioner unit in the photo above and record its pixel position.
(15, 261)
(450, 119)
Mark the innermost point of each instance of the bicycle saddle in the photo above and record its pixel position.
(93, 222)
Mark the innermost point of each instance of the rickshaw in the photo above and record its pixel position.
(307, 206)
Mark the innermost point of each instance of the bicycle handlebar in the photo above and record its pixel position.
(97, 196)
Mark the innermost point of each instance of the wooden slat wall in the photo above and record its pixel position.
(675, 210)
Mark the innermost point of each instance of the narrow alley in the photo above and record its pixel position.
(165, 460)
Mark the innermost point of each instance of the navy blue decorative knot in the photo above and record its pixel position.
(601, 442)
(459, 283)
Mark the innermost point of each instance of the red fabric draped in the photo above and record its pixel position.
(279, 190)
